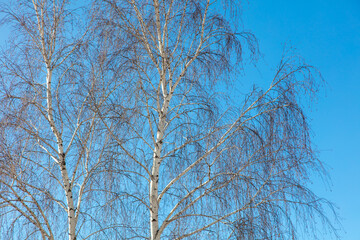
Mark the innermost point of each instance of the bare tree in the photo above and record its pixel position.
(238, 173)
(54, 148)
(114, 127)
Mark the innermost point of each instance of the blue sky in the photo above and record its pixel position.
(327, 35)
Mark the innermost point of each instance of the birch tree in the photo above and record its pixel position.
(116, 125)
(205, 169)
(53, 146)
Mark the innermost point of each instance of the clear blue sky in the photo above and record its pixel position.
(327, 34)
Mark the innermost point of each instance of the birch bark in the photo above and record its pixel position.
(61, 155)
(154, 181)
(154, 203)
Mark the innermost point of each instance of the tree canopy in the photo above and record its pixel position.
(115, 124)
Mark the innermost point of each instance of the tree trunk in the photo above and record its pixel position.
(62, 163)
(154, 181)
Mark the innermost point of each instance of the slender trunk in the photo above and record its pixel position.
(154, 204)
(69, 198)
(62, 162)
(154, 182)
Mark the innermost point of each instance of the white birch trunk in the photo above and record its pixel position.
(154, 204)
(154, 181)
(62, 162)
